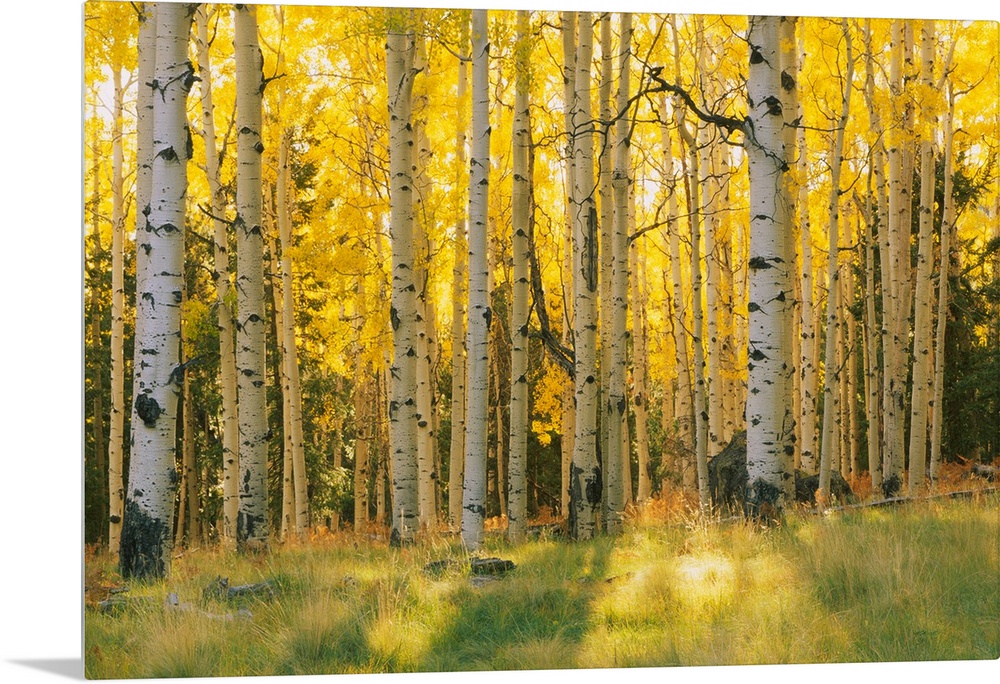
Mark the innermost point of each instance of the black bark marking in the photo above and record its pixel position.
(594, 487)
(144, 541)
(147, 409)
(787, 82)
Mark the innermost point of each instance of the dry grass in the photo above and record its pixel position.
(908, 583)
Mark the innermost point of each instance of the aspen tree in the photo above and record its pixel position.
(640, 364)
(947, 225)
(400, 73)
(187, 511)
(605, 144)
(252, 518)
(458, 299)
(517, 509)
(149, 503)
(923, 373)
(808, 358)
(852, 375)
(616, 414)
(116, 428)
(689, 170)
(882, 437)
(707, 210)
(871, 359)
(474, 491)
(362, 444)
(585, 472)
(567, 418)
(281, 377)
(790, 105)
(832, 371)
(426, 343)
(682, 396)
(768, 412)
(290, 356)
(899, 271)
(146, 47)
(220, 277)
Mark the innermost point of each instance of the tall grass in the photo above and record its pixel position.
(915, 583)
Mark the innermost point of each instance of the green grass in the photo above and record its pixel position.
(920, 582)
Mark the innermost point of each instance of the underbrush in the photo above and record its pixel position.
(918, 582)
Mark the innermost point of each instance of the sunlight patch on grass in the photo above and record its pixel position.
(704, 582)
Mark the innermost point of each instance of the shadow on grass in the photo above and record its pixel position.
(532, 618)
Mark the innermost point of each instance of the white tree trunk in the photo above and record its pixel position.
(477, 417)
(832, 371)
(149, 504)
(790, 105)
(517, 508)
(567, 418)
(899, 269)
(923, 371)
(640, 364)
(289, 345)
(252, 518)
(606, 143)
(768, 413)
(456, 469)
(403, 313)
(143, 192)
(116, 429)
(220, 276)
(947, 225)
(585, 473)
(616, 328)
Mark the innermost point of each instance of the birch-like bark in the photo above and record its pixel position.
(116, 428)
(251, 323)
(585, 472)
(517, 508)
(426, 342)
(790, 104)
(474, 492)
(769, 423)
(872, 375)
(616, 414)
(143, 192)
(851, 402)
(832, 371)
(923, 371)
(808, 343)
(403, 312)
(707, 209)
(188, 511)
(898, 235)
(682, 395)
(363, 416)
(640, 364)
(947, 225)
(605, 144)
(220, 277)
(456, 470)
(689, 169)
(882, 436)
(281, 379)
(149, 504)
(291, 356)
(567, 418)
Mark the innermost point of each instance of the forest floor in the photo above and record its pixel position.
(903, 583)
